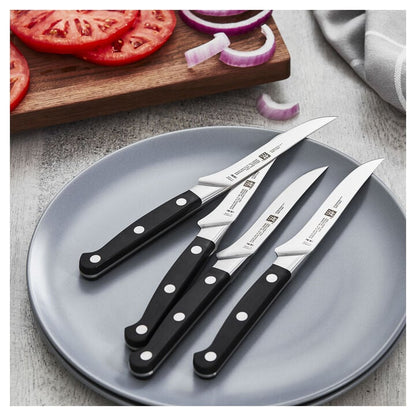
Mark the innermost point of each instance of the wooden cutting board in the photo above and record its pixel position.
(64, 88)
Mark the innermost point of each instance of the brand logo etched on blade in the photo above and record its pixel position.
(249, 184)
(231, 206)
(264, 156)
(330, 213)
(272, 218)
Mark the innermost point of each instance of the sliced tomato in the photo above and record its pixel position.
(19, 76)
(69, 31)
(150, 31)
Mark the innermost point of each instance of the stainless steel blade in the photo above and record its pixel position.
(264, 155)
(217, 222)
(294, 251)
(235, 255)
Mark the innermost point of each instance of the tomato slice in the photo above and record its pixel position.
(19, 76)
(69, 31)
(150, 31)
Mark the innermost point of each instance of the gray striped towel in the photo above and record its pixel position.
(373, 42)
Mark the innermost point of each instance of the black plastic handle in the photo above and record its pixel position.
(196, 300)
(170, 289)
(241, 320)
(138, 234)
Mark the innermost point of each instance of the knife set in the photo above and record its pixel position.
(185, 293)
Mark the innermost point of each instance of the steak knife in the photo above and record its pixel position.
(208, 285)
(190, 262)
(270, 285)
(155, 223)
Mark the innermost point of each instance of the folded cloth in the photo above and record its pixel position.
(373, 42)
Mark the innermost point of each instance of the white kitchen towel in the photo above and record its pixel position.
(373, 42)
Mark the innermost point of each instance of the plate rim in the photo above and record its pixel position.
(127, 402)
(390, 342)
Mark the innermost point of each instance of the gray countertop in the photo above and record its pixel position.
(44, 160)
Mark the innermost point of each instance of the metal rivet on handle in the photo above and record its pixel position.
(141, 329)
(139, 229)
(196, 249)
(95, 258)
(241, 316)
(271, 278)
(181, 201)
(210, 280)
(210, 356)
(169, 288)
(179, 317)
(146, 355)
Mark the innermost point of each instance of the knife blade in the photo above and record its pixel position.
(189, 263)
(261, 295)
(209, 285)
(155, 223)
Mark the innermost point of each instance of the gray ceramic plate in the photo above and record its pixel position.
(340, 315)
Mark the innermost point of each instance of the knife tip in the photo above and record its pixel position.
(374, 163)
(328, 118)
(320, 171)
(319, 122)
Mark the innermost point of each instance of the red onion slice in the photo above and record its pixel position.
(244, 59)
(203, 52)
(229, 29)
(220, 12)
(276, 111)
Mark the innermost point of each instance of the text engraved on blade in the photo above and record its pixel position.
(261, 157)
(231, 209)
(329, 214)
(276, 148)
(258, 234)
(244, 169)
(270, 220)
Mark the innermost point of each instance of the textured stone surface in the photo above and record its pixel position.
(43, 161)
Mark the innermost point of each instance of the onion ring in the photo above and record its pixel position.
(243, 59)
(205, 51)
(229, 29)
(276, 111)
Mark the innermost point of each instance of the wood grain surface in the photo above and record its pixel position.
(44, 160)
(64, 88)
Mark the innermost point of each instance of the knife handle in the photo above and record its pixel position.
(188, 264)
(241, 320)
(139, 233)
(196, 300)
